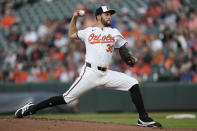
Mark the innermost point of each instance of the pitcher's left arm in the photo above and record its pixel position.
(126, 56)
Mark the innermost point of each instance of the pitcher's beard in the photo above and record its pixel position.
(105, 23)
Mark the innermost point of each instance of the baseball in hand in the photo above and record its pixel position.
(81, 12)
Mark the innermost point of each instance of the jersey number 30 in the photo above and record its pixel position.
(110, 48)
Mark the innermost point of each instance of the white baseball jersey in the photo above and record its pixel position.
(100, 43)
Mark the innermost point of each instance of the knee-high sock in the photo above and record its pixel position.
(53, 101)
(137, 100)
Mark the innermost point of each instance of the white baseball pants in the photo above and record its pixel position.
(91, 77)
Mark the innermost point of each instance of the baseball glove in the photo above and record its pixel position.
(131, 61)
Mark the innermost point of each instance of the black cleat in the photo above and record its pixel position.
(23, 111)
(148, 122)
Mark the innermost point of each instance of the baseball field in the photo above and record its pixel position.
(94, 122)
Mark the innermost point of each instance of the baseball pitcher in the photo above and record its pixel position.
(100, 42)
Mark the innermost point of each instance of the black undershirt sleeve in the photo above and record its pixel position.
(124, 52)
(125, 55)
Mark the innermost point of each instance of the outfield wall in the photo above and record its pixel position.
(157, 97)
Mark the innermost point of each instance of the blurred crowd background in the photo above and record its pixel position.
(34, 45)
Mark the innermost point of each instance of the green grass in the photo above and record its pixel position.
(123, 118)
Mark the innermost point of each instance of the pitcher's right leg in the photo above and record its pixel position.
(120, 81)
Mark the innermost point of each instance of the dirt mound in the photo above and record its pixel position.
(70, 125)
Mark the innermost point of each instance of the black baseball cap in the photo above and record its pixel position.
(104, 9)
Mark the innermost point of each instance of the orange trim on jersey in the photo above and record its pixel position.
(101, 42)
(76, 83)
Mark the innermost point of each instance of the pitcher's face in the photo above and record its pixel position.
(106, 19)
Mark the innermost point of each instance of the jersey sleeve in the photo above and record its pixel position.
(120, 40)
(82, 34)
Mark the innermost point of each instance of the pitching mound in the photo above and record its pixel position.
(66, 125)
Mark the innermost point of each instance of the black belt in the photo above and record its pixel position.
(98, 67)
